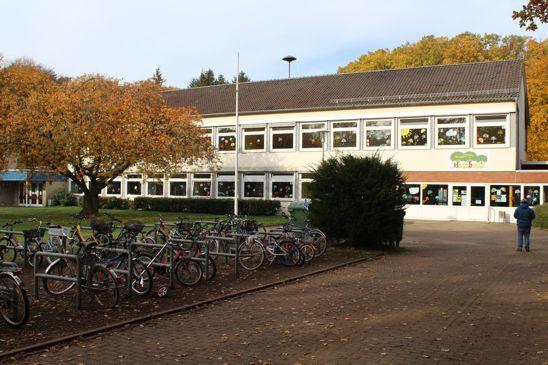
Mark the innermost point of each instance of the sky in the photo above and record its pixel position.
(130, 39)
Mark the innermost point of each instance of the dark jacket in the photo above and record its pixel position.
(524, 215)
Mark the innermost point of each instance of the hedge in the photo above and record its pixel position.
(541, 220)
(211, 206)
(114, 203)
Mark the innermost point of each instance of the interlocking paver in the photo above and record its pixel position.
(459, 295)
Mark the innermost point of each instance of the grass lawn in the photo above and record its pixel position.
(541, 220)
(64, 216)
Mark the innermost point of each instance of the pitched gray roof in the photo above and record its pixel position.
(458, 83)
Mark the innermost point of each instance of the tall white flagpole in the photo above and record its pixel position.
(236, 185)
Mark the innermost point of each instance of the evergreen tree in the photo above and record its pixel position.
(207, 78)
(158, 78)
(242, 77)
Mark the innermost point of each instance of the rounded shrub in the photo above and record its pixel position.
(358, 200)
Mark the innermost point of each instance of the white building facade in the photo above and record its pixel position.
(458, 132)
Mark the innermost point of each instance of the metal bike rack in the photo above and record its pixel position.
(169, 265)
(24, 248)
(77, 279)
(129, 272)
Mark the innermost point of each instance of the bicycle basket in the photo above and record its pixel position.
(134, 227)
(59, 231)
(34, 233)
(101, 227)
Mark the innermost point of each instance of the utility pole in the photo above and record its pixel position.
(236, 185)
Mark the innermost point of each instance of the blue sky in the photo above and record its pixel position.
(129, 39)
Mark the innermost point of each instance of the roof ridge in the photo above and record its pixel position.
(354, 73)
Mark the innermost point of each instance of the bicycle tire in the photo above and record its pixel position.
(34, 246)
(59, 287)
(102, 280)
(141, 283)
(188, 272)
(318, 240)
(251, 255)
(10, 287)
(308, 251)
(9, 253)
(212, 268)
(293, 256)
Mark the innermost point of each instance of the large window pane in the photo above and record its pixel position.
(254, 138)
(378, 138)
(282, 138)
(201, 188)
(311, 135)
(504, 195)
(490, 135)
(305, 190)
(451, 131)
(412, 194)
(133, 187)
(177, 188)
(477, 196)
(225, 189)
(532, 194)
(414, 132)
(282, 189)
(343, 139)
(434, 194)
(155, 188)
(227, 143)
(114, 188)
(254, 189)
(460, 196)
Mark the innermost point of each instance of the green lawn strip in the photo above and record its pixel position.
(64, 216)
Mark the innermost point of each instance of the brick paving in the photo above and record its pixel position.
(458, 294)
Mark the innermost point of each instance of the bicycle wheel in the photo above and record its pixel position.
(103, 239)
(103, 287)
(292, 255)
(14, 303)
(188, 272)
(213, 247)
(251, 255)
(211, 268)
(318, 240)
(307, 251)
(34, 246)
(141, 280)
(8, 249)
(61, 268)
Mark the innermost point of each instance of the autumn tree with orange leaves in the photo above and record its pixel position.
(470, 47)
(92, 129)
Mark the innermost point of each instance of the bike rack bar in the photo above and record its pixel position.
(129, 271)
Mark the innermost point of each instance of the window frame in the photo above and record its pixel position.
(415, 125)
(419, 185)
(201, 179)
(451, 194)
(486, 199)
(253, 133)
(302, 180)
(466, 127)
(273, 133)
(321, 130)
(224, 177)
(134, 179)
(282, 178)
(225, 134)
(155, 180)
(117, 180)
(440, 186)
(333, 130)
(378, 128)
(178, 180)
(506, 125)
(250, 177)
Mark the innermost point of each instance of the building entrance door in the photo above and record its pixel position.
(31, 194)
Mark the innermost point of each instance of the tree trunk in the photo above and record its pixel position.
(91, 202)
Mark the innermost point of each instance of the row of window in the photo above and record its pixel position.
(449, 132)
(475, 196)
(254, 186)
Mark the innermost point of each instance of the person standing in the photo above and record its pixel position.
(524, 216)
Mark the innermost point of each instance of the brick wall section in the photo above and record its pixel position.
(511, 177)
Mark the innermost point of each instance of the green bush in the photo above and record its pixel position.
(358, 200)
(541, 220)
(114, 203)
(64, 198)
(211, 206)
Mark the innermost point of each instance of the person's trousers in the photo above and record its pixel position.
(523, 233)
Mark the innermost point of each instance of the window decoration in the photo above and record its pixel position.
(504, 195)
(378, 133)
(344, 134)
(226, 139)
(225, 185)
(134, 184)
(254, 186)
(412, 194)
(460, 196)
(490, 130)
(477, 196)
(254, 139)
(178, 185)
(282, 186)
(306, 181)
(201, 185)
(451, 131)
(312, 135)
(414, 132)
(282, 138)
(532, 194)
(434, 194)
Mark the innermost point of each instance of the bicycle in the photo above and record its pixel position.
(14, 302)
(307, 234)
(98, 281)
(9, 244)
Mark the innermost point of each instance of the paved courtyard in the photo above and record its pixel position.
(459, 294)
